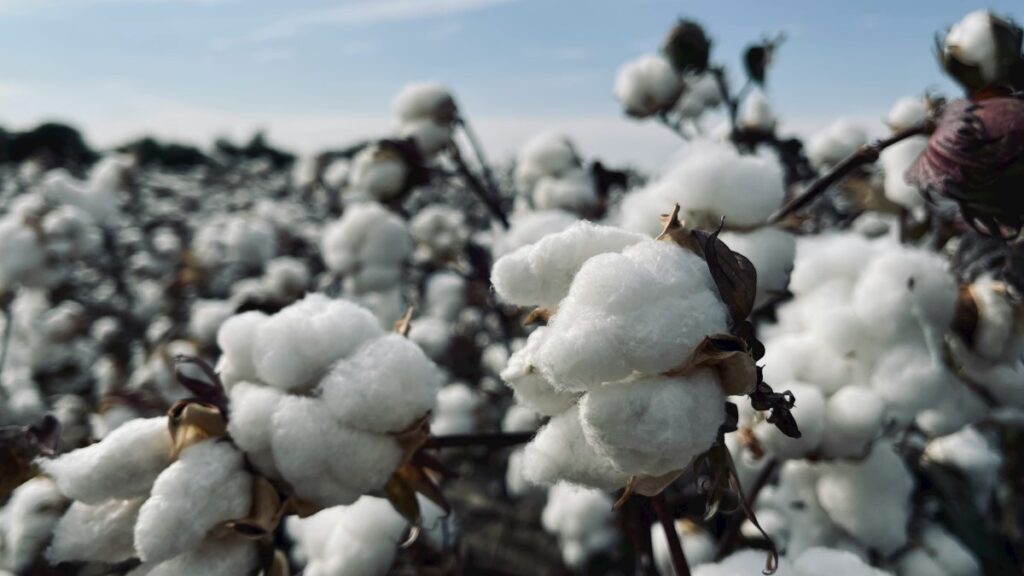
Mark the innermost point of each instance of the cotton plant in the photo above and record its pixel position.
(440, 233)
(583, 521)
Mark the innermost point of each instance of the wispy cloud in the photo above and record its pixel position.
(357, 13)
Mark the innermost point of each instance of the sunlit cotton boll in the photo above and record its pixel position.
(378, 172)
(424, 101)
(560, 451)
(895, 161)
(456, 410)
(647, 85)
(357, 540)
(834, 143)
(546, 154)
(973, 42)
(757, 114)
(368, 246)
(906, 112)
(531, 389)
(853, 418)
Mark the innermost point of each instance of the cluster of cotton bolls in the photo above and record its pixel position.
(626, 309)
(550, 172)
(240, 241)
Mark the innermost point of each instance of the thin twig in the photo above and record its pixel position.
(673, 126)
(675, 547)
(490, 440)
(485, 196)
(866, 154)
(731, 104)
(478, 151)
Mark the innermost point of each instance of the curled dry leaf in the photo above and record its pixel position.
(729, 356)
(538, 315)
(208, 388)
(265, 513)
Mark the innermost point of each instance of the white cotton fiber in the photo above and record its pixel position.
(215, 557)
(122, 465)
(432, 335)
(972, 41)
(870, 499)
(385, 387)
(520, 419)
(363, 541)
(252, 407)
(809, 411)
(445, 295)
(28, 519)
(540, 274)
(573, 191)
(582, 519)
(529, 227)
(560, 451)
(440, 232)
(423, 101)
(832, 144)
(896, 160)
(235, 340)
(96, 533)
(817, 561)
(700, 94)
(757, 114)
(378, 172)
(946, 553)
(207, 317)
(207, 486)
(530, 387)
(642, 310)
(853, 417)
(829, 257)
(971, 453)
(21, 253)
(325, 462)
(906, 112)
(910, 380)
(772, 252)
(456, 410)
(285, 278)
(647, 85)
(654, 425)
(546, 154)
(698, 546)
(367, 245)
(744, 563)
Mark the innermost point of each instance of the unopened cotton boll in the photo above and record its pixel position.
(530, 387)
(368, 245)
(540, 274)
(96, 533)
(772, 252)
(573, 191)
(654, 425)
(379, 172)
(853, 418)
(870, 499)
(530, 227)
(560, 451)
(28, 520)
(895, 161)
(809, 412)
(832, 144)
(123, 465)
(206, 486)
(647, 85)
(385, 387)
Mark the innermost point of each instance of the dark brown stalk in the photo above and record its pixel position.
(489, 198)
(675, 547)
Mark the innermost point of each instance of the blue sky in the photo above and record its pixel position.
(316, 73)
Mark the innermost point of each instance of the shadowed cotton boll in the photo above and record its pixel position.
(815, 561)
(560, 451)
(285, 278)
(853, 417)
(215, 557)
(582, 519)
(124, 465)
(698, 546)
(423, 101)
(834, 143)
(742, 563)
(700, 94)
(378, 173)
(96, 533)
(870, 499)
(456, 410)
(530, 227)
(972, 41)
(445, 295)
(28, 520)
(573, 191)
(21, 253)
(368, 246)
(970, 453)
(939, 554)
(895, 161)
(757, 113)
(440, 233)
(647, 85)
(206, 318)
(433, 335)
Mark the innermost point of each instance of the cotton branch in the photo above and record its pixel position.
(674, 545)
(478, 151)
(867, 154)
(488, 197)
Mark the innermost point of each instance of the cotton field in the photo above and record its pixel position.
(775, 354)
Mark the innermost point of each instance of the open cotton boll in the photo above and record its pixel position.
(654, 425)
(701, 93)
(214, 557)
(293, 348)
(573, 191)
(582, 519)
(430, 136)
(326, 462)
(235, 338)
(853, 418)
(206, 486)
(906, 112)
(905, 290)
(530, 227)
(432, 335)
(809, 412)
(828, 257)
(956, 407)
(772, 252)
(832, 144)
(546, 154)
(252, 408)
(445, 295)
(123, 465)
(807, 524)
(285, 277)
(385, 387)
(639, 210)
(698, 546)
(207, 317)
(368, 244)
(424, 101)
(456, 410)
(520, 419)
(870, 499)
(642, 310)
(647, 85)
(28, 519)
(744, 563)
(970, 453)
(531, 388)
(972, 40)
(540, 274)
(895, 160)
(560, 451)
(363, 541)
(21, 253)
(440, 232)
(96, 533)
(378, 172)
(910, 380)
(817, 561)
(757, 114)
(939, 554)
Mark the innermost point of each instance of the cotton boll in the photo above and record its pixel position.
(647, 85)
(870, 499)
(546, 154)
(757, 113)
(207, 317)
(335, 174)
(909, 380)
(252, 408)
(829, 257)
(96, 533)
(429, 136)
(582, 519)
(432, 335)
(285, 278)
(124, 465)
(939, 555)
(520, 419)
(368, 245)
(445, 295)
(573, 191)
(530, 387)
(387, 306)
(834, 143)
(809, 412)
(530, 227)
(973, 42)
(853, 418)
(424, 101)
(378, 172)
(440, 232)
(30, 514)
(385, 387)
(21, 253)
(560, 451)
(895, 161)
(970, 453)
(206, 486)
(235, 339)
(815, 561)
(906, 112)
(772, 252)
(654, 425)
(364, 541)
(807, 522)
(456, 410)
(698, 546)
(701, 93)
(540, 274)
(214, 557)
(325, 462)
(956, 407)
(742, 563)
(998, 329)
